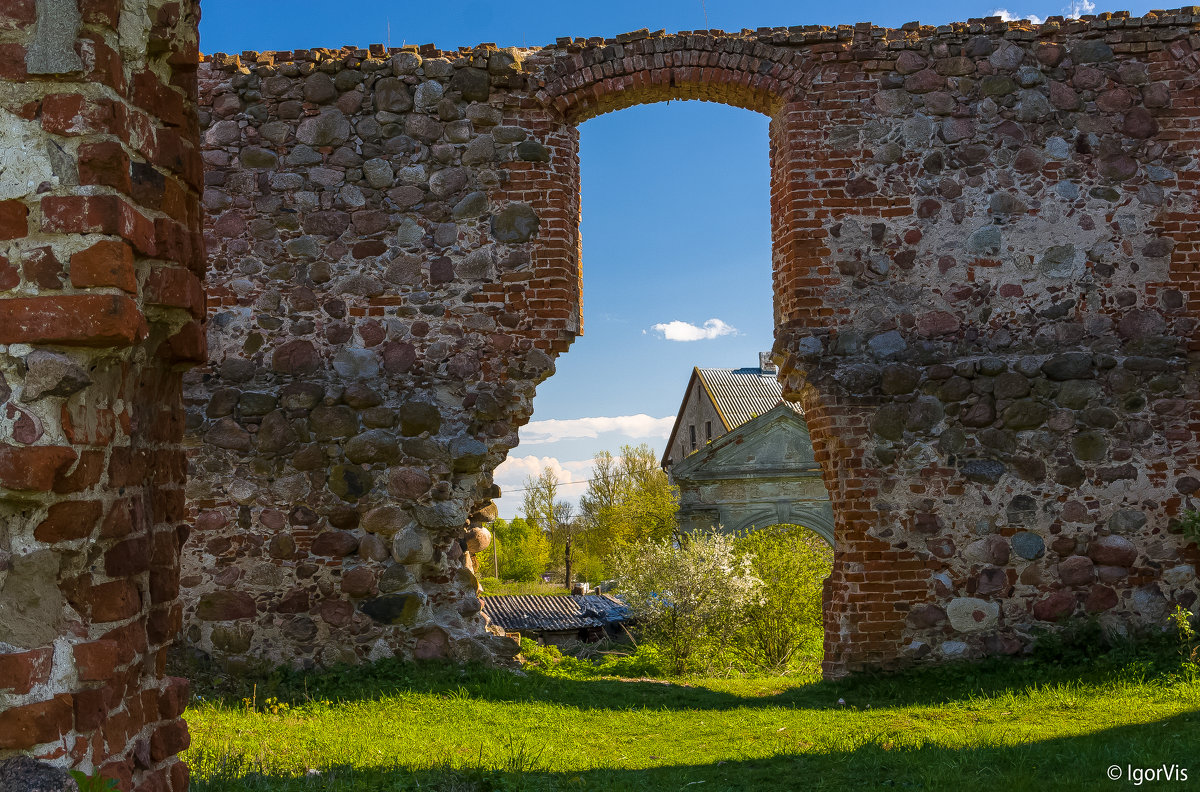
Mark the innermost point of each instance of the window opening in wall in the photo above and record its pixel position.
(692, 435)
(708, 431)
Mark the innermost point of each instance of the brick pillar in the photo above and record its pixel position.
(100, 311)
(868, 592)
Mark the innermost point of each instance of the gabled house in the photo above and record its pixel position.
(717, 401)
(757, 469)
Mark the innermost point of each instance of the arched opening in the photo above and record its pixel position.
(786, 628)
(675, 232)
(581, 92)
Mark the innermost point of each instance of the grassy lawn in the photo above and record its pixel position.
(1010, 725)
(496, 587)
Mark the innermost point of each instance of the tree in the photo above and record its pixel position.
(689, 595)
(565, 526)
(553, 517)
(629, 500)
(793, 563)
(521, 550)
(650, 506)
(540, 494)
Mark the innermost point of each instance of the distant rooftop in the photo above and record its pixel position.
(743, 393)
(534, 613)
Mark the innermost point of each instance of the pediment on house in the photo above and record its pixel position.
(776, 443)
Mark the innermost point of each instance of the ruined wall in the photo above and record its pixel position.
(983, 297)
(100, 302)
(379, 318)
(984, 261)
(991, 330)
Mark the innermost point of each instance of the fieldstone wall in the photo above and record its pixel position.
(985, 273)
(379, 318)
(100, 310)
(984, 277)
(996, 334)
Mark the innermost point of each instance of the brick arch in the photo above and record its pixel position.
(586, 81)
(866, 595)
(725, 69)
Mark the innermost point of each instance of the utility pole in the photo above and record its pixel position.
(495, 559)
(563, 515)
(568, 554)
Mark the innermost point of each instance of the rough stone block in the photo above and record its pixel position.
(14, 220)
(26, 725)
(20, 671)
(96, 661)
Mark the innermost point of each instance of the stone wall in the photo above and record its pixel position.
(983, 277)
(100, 302)
(992, 328)
(379, 317)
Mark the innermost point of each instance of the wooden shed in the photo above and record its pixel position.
(559, 620)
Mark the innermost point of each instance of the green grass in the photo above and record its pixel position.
(1002, 725)
(497, 587)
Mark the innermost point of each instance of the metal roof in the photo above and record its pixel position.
(534, 612)
(742, 394)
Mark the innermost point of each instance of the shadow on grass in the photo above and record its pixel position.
(931, 686)
(1079, 762)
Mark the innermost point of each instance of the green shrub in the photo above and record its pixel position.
(688, 598)
(495, 588)
(785, 624)
(1077, 643)
(1189, 643)
(92, 783)
(521, 550)
(644, 661)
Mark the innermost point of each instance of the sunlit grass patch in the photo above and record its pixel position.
(1013, 725)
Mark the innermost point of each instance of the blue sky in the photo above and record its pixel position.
(676, 226)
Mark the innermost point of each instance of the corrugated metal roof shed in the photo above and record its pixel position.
(534, 612)
(742, 394)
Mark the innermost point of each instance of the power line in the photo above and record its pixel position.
(504, 492)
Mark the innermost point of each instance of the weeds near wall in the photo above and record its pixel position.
(1189, 524)
(1189, 643)
(92, 783)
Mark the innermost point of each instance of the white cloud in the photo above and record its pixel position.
(512, 472)
(1007, 16)
(684, 331)
(640, 425)
(1078, 8)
